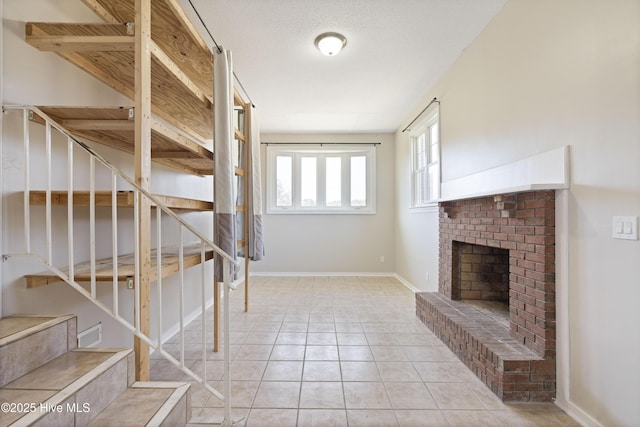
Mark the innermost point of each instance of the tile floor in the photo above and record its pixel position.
(341, 351)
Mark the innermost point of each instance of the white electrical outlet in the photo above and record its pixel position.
(625, 227)
(426, 276)
(381, 258)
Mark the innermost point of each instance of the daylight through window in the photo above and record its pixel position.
(321, 179)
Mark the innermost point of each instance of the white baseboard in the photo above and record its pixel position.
(578, 414)
(406, 283)
(187, 320)
(319, 274)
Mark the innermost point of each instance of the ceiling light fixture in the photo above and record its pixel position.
(330, 44)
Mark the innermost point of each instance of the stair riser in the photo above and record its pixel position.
(180, 413)
(88, 399)
(33, 351)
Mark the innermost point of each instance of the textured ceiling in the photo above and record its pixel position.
(396, 51)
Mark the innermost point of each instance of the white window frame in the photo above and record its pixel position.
(321, 152)
(421, 194)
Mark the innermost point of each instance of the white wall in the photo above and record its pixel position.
(544, 74)
(334, 243)
(31, 77)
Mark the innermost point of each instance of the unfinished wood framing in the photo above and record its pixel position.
(126, 267)
(114, 127)
(149, 51)
(124, 199)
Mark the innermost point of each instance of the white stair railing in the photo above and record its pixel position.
(69, 276)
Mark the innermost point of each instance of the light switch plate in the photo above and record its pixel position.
(625, 227)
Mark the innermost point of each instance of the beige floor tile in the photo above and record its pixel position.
(388, 353)
(371, 418)
(352, 327)
(247, 370)
(454, 396)
(439, 372)
(258, 337)
(321, 316)
(381, 338)
(267, 327)
(398, 371)
(254, 352)
(322, 418)
(242, 394)
(351, 338)
(422, 418)
(321, 352)
(291, 338)
(366, 395)
(321, 338)
(322, 327)
(272, 417)
(321, 371)
(216, 414)
(282, 370)
(424, 338)
(360, 371)
(288, 352)
(321, 395)
(294, 326)
(408, 395)
(355, 353)
(371, 323)
(277, 394)
(476, 418)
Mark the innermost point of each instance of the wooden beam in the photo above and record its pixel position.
(97, 124)
(239, 135)
(124, 199)
(142, 154)
(126, 266)
(247, 195)
(163, 60)
(82, 43)
(173, 155)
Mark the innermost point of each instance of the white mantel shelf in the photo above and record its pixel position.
(544, 171)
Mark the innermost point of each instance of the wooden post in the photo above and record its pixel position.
(216, 315)
(248, 185)
(142, 175)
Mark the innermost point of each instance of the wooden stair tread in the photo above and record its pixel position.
(111, 126)
(124, 199)
(182, 74)
(126, 266)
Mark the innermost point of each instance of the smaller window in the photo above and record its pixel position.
(425, 161)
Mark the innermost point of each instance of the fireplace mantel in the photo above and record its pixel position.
(544, 171)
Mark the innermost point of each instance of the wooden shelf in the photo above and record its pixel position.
(124, 199)
(182, 64)
(112, 126)
(126, 266)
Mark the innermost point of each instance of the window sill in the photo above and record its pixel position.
(321, 212)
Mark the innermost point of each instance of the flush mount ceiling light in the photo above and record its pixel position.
(330, 44)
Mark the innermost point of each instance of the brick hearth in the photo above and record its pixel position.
(516, 363)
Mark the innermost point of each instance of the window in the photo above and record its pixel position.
(321, 179)
(425, 161)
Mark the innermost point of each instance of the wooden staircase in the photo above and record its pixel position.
(155, 57)
(46, 380)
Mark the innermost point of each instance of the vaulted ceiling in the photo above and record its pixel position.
(396, 51)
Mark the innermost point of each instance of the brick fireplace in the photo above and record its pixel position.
(495, 305)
